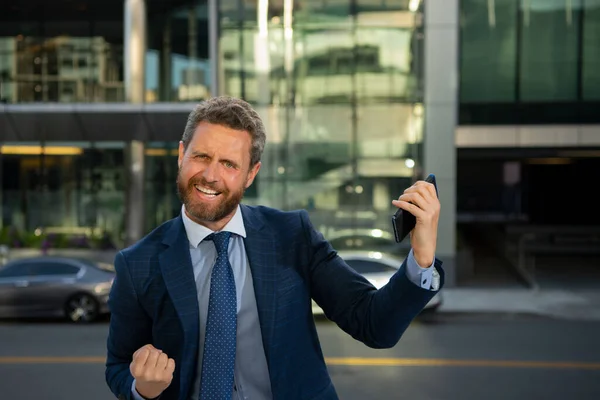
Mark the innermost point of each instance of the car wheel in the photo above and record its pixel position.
(81, 308)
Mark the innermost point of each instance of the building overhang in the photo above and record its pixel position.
(93, 122)
(527, 136)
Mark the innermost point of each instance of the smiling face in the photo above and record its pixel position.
(214, 172)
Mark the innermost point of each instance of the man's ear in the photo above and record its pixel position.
(181, 154)
(252, 174)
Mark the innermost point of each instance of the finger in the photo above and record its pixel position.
(137, 365)
(144, 347)
(170, 366)
(415, 198)
(426, 189)
(162, 361)
(429, 187)
(152, 358)
(135, 369)
(411, 208)
(141, 356)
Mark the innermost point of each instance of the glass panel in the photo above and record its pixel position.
(162, 202)
(52, 268)
(591, 52)
(13, 271)
(549, 34)
(239, 66)
(488, 50)
(390, 131)
(62, 195)
(387, 5)
(190, 75)
(385, 65)
(61, 69)
(340, 98)
(104, 189)
(67, 55)
(324, 66)
(375, 64)
(75, 54)
(331, 12)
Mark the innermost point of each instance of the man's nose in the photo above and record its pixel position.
(210, 173)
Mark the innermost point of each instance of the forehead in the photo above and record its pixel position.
(219, 138)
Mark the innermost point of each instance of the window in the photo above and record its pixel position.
(591, 55)
(13, 271)
(549, 42)
(52, 268)
(369, 267)
(488, 50)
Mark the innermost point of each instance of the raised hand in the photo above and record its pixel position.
(421, 201)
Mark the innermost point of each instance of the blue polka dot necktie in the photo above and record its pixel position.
(219, 345)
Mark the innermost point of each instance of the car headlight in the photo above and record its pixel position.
(102, 287)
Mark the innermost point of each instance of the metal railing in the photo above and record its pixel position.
(524, 244)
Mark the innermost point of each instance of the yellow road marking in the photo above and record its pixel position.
(353, 361)
(52, 360)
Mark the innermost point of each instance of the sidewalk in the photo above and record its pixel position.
(557, 303)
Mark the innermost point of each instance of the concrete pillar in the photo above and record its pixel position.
(134, 71)
(441, 103)
(135, 50)
(135, 196)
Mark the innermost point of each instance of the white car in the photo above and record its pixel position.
(378, 268)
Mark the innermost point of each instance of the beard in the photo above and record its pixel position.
(216, 211)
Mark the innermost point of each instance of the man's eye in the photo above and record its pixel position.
(229, 165)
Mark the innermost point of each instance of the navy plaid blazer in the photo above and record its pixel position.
(154, 300)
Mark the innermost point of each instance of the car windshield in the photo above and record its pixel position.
(98, 264)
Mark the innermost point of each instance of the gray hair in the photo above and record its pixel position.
(233, 113)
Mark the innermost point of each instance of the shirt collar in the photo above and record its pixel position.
(196, 233)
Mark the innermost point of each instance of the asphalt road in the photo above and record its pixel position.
(450, 357)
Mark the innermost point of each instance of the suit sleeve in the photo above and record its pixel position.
(130, 328)
(378, 318)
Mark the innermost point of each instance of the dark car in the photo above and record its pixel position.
(77, 289)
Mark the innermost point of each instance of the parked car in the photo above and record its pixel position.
(77, 289)
(378, 268)
(368, 240)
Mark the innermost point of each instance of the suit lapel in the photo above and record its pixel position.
(178, 275)
(261, 250)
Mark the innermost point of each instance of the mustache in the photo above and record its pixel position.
(201, 182)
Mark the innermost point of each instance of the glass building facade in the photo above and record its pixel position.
(529, 61)
(529, 95)
(338, 84)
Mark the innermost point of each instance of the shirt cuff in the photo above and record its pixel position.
(134, 392)
(422, 277)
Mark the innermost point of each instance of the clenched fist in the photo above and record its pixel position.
(152, 370)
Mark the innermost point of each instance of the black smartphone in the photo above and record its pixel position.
(403, 222)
